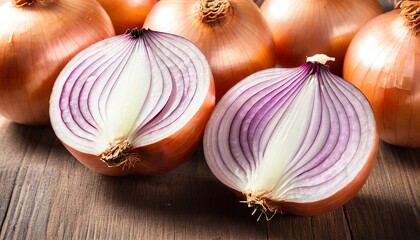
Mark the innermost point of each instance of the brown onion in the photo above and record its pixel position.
(304, 28)
(383, 60)
(232, 34)
(37, 39)
(127, 14)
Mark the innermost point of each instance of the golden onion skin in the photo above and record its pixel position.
(36, 42)
(304, 28)
(127, 14)
(383, 61)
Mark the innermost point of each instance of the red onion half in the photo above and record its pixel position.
(133, 104)
(297, 140)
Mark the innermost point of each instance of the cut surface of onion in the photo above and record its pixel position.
(297, 140)
(138, 102)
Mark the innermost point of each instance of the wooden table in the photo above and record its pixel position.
(46, 194)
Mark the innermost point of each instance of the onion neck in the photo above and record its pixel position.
(136, 33)
(22, 3)
(411, 11)
(320, 58)
(214, 12)
(316, 61)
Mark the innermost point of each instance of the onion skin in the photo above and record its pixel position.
(127, 14)
(305, 28)
(236, 48)
(159, 157)
(389, 76)
(36, 41)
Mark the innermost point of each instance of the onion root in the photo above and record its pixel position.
(258, 202)
(118, 154)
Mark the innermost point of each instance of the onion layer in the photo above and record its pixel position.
(37, 39)
(383, 61)
(298, 140)
(133, 104)
(304, 28)
(232, 34)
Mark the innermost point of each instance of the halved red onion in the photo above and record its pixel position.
(136, 103)
(297, 140)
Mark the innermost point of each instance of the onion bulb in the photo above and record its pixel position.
(383, 60)
(232, 34)
(37, 39)
(292, 140)
(136, 103)
(127, 14)
(304, 28)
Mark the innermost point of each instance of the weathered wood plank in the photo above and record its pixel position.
(47, 194)
(14, 145)
(29, 200)
(210, 210)
(388, 205)
(331, 225)
(55, 197)
(178, 205)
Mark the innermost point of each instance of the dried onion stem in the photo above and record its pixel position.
(215, 11)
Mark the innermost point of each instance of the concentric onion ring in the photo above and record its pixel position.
(138, 102)
(298, 140)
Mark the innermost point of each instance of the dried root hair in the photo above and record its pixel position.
(258, 203)
(118, 154)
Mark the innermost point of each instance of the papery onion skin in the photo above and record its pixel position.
(163, 154)
(226, 152)
(127, 14)
(235, 47)
(383, 61)
(36, 41)
(305, 28)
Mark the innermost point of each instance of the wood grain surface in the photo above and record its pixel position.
(46, 194)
